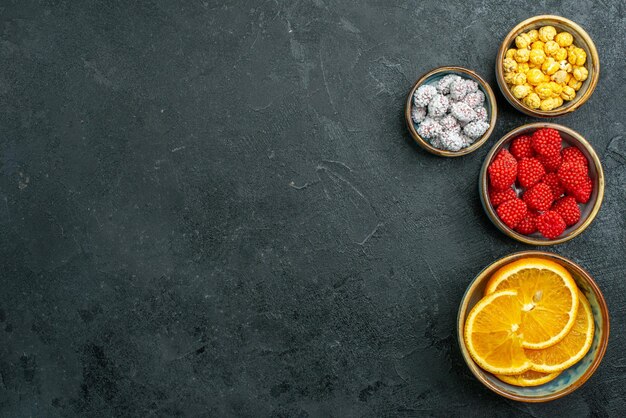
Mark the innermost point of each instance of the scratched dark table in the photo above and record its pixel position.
(213, 208)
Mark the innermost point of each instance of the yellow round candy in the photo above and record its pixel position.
(533, 35)
(543, 90)
(509, 64)
(508, 77)
(547, 33)
(537, 56)
(521, 91)
(566, 66)
(519, 79)
(581, 57)
(571, 56)
(556, 88)
(568, 78)
(568, 93)
(548, 104)
(522, 41)
(564, 39)
(575, 84)
(580, 73)
(534, 76)
(550, 66)
(537, 45)
(532, 101)
(522, 55)
(577, 56)
(559, 76)
(510, 53)
(560, 54)
(551, 48)
(523, 67)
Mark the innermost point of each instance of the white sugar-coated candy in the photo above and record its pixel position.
(429, 128)
(475, 129)
(451, 140)
(450, 113)
(423, 95)
(462, 112)
(436, 142)
(475, 99)
(458, 89)
(481, 113)
(449, 123)
(438, 106)
(418, 114)
(472, 86)
(467, 141)
(443, 86)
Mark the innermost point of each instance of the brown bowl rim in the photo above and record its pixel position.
(425, 144)
(594, 68)
(604, 310)
(483, 186)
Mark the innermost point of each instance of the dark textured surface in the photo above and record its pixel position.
(214, 208)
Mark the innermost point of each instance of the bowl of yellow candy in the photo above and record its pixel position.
(547, 66)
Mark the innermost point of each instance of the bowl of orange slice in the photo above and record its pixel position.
(533, 326)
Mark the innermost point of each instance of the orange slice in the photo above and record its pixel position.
(492, 334)
(528, 378)
(571, 349)
(548, 299)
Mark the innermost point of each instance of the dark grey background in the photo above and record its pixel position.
(214, 208)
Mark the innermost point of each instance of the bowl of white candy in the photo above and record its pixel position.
(450, 111)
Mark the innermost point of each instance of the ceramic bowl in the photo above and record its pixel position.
(432, 77)
(588, 210)
(570, 379)
(581, 39)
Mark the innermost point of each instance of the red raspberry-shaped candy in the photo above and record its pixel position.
(550, 224)
(502, 171)
(539, 197)
(546, 141)
(529, 172)
(582, 192)
(574, 154)
(497, 197)
(512, 212)
(568, 209)
(504, 154)
(528, 225)
(552, 180)
(552, 163)
(571, 174)
(521, 147)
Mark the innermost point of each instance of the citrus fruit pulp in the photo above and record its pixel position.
(492, 334)
(571, 349)
(548, 299)
(528, 378)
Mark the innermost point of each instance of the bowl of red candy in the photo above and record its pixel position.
(542, 184)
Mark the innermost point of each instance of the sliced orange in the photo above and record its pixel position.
(571, 349)
(528, 378)
(492, 334)
(548, 299)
